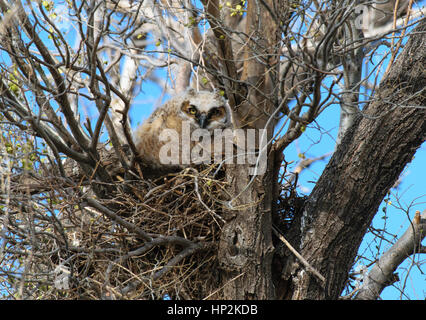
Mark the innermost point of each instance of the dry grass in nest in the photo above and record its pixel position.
(187, 204)
(180, 213)
(148, 239)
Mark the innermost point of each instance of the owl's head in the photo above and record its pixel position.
(206, 110)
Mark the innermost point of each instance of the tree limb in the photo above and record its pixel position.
(380, 276)
(350, 190)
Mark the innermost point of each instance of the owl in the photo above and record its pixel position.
(170, 127)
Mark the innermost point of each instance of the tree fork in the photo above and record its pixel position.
(364, 167)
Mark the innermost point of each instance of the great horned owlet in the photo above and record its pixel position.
(180, 117)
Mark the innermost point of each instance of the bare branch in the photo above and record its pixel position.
(299, 257)
(381, 275)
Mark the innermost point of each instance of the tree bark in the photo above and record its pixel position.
(364, 167)
(245, 248)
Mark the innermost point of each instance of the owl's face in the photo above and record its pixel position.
(206, 110)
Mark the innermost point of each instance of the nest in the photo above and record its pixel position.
(179, 217)
(149, 239)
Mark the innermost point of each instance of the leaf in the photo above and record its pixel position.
(47, 5)
(9, 147)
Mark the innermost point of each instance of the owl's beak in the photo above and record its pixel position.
(202, 120)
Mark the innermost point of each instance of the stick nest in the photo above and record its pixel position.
(147, 240)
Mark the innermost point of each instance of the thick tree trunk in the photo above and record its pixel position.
(364, 167)
(245, 248)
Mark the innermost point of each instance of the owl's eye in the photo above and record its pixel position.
(216, 112)
(192, 110)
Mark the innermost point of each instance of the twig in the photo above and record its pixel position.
(298, 256)
(398, 45)
(214, 214)
(110, 214)
(305, 163)
(380, 276)
(176, 259)
(216, 291)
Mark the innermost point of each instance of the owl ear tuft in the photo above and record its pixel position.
(184, 105)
